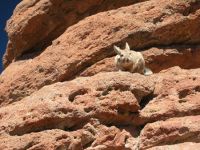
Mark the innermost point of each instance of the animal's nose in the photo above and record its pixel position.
(127, 60)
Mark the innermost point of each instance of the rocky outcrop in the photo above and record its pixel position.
(184, 129)
(75, 101)
(128, 101)
(91, 40)
(186, 145)
(48, 19)
(92, 136)
(61, 90)
(156, 58)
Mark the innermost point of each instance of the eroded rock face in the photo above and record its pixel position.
(62, 91)
(110, 97)
(186, 145)
(48, 19)
(184, 129)
(51, 139)
(156, 58)
(116, 98)
(91, 40)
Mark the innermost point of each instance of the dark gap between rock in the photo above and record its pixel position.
(146, 99)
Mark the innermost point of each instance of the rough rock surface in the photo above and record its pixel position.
(49, 19)
(156, 58)
(91, 40)
(182, 146)
(61, 91)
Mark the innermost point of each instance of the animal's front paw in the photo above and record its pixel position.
(147, 72)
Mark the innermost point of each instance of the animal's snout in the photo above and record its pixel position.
(125, 60)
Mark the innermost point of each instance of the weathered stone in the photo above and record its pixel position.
(110, 97)
(176, 130)
(177, 93)
(35, 23)
(113, 138)
(91, 40)
(182, 146)
(51, 139)
(46, 104)
(156, 59)
(92, 136)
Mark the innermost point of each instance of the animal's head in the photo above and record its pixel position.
(123, 55)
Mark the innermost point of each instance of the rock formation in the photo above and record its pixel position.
(60, 89)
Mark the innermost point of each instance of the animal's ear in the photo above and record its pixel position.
(117, 49)
(127, 47)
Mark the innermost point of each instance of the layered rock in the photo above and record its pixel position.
(91, 40)
(185, 146)
(51, 139)
(92, 136)
(156, 58)
(184, 129)
(48, 19)
(120, 99)
(61, 89)
(109, 97)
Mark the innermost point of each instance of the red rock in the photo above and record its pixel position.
(176, 130)
(35, 24)
(182, 146)
(50, 139)
(92, 136)
(105, 65)
(110, 97)
(157, 59)
(112, 138)
(45, 104)
(176, 94)
(82, 45)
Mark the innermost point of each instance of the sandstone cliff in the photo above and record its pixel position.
(60, 89)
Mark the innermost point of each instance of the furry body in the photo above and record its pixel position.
(129, 60)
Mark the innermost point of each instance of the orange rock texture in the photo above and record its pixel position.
(60, 89)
